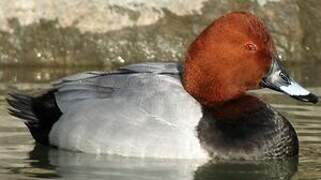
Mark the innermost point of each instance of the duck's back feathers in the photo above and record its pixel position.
(102, 85)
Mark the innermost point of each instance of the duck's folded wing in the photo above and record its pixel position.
(98, 85)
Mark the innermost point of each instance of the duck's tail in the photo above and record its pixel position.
(21, 107)
(38, 113)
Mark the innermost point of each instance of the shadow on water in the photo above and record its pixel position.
(71, 165)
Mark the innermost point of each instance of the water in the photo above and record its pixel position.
(20, 158)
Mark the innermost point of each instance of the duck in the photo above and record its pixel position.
(198, 109)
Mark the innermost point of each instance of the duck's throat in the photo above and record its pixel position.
(237, 108)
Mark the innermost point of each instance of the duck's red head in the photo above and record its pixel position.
(232, 55)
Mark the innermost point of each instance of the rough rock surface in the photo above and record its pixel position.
(112, 32)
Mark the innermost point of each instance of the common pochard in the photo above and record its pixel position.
(198, 109)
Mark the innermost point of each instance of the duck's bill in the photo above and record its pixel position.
(279, 80)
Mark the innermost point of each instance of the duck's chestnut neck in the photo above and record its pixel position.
(208, 87)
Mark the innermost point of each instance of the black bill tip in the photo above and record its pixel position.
(308, 98)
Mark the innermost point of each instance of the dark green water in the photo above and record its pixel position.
(20, 158)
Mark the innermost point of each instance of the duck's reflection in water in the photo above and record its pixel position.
(256, 170)
(74, 165)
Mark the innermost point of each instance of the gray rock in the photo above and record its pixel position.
(111, 33)
(310, 18)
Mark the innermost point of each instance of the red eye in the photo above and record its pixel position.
(250, 46)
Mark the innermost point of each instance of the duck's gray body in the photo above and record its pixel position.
(143, 110)
(140, 110)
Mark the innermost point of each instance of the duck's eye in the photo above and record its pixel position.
(250, 46)
(284, 77)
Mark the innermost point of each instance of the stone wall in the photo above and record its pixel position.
(113, 32)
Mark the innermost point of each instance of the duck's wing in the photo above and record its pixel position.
(139, 110)
(97, 85)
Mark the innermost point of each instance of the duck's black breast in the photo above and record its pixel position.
(247, 128)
